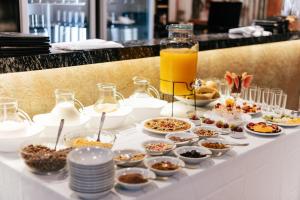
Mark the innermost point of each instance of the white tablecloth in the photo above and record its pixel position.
(267, 169)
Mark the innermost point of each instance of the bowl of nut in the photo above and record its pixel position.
(41, 157)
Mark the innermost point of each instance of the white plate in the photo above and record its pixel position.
(263, 134)
(144, 172)
(164, 132)
(198, 101)
(90, 156)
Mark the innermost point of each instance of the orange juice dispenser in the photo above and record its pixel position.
(178, 60)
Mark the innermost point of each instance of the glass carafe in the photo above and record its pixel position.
(108, 100)
(65, 106)
(178, 60)
(11, 117)
(143, 89)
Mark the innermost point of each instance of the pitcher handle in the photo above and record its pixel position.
(79, 104)
(120, 96)
(24, 115)
(154, 91)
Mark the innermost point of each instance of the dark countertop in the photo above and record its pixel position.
(132, 50)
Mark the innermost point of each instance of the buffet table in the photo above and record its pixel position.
(266, 169)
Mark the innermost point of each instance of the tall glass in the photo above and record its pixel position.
(178, 60)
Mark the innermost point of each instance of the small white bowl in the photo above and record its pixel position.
(201, 150)
(144, 172)
(159, 153)
(151, 161)
(216, 140)
(194, 138)
(206, 128)
(129, 163)
(113, 120)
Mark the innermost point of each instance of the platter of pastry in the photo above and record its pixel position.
(204, 95)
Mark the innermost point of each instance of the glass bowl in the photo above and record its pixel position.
(87, 138)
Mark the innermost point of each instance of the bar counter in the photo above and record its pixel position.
(131, 50)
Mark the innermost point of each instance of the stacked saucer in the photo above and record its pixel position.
(91, 171)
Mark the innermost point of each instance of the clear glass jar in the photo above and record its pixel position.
(108, 100)
(65, 106)
(143, 89)
(178, 60)
(11, 117)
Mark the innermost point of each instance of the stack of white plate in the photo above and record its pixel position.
(91, 172)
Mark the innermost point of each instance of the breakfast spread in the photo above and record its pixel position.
(167, 125)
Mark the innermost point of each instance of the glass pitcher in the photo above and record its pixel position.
(143, 89)
(11, 117)
(178, 60)
(65, 105)
(108, 100)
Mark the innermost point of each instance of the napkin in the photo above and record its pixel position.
(86, 45)
(247, 31)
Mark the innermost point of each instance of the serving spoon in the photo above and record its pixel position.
(101, 125)
(61, 125)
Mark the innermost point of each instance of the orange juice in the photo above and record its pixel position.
(177, 65)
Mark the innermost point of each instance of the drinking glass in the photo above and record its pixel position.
(244, 94)
(265, 99)
(277, 102)
(283, 103)
(270, 107)
(224, 89)
(258, 96)
(252, 95)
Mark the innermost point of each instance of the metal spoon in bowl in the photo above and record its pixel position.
(101, 125)
(61, 125)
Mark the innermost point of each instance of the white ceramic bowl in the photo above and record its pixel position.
(113, 120)
(151, 161)
(194, 138)
(12, 142)
(145, 108)
(194, 130)
(129, 163)
(144, 172)
(159, 153)
(51, 125)
(201, 150)
(216, 140)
